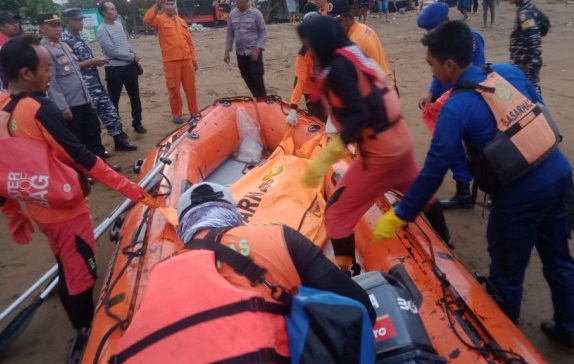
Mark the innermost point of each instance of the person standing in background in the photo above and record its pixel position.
(123, 67)
(383, 8)
(474, 6)
(430, 18)
(423, 4)
(464, 7)
(247, 28)
(8, 29)
(67, 88)
(178, 53)
(526, 41)
(363, 9)
(364, 37)
(486, 5)
(292, 9)
(101, 101)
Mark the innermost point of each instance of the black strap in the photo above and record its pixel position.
(9, 108)
(487, 68)
(266, 355)
(216, 234)
(11, 105)
(472, 86)
(14, 99)
(254, 304)
(241, 264)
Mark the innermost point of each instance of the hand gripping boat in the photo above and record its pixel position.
(460, 322)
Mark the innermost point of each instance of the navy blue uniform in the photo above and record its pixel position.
(459, 171)
(105, 109)
(526, 42)
(528, 212)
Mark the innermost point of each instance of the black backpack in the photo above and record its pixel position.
(543, 22)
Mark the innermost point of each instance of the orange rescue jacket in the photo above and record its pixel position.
(527, 133)
(191, 286)
(174, 36)
(25, 125)
(389, 135)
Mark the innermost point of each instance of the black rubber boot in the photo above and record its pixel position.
(344, 250)
(462, 199)
(558, 335)
(436, 219)
(121, 143)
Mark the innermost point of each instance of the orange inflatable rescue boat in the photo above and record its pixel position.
(462, 322)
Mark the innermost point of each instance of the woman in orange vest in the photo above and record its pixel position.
(365, 108)
(207, 211)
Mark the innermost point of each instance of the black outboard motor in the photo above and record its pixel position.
(400, 336)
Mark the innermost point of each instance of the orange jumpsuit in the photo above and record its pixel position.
(368, 41)
(304, 78)
(178, 55)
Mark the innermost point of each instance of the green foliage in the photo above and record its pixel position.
(131, 10)
(28, 9)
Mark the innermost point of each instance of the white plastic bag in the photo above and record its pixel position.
(250, 144)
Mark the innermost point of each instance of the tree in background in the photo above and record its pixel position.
(28, 9)
(130, 10)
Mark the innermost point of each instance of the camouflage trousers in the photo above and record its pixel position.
(105, 109)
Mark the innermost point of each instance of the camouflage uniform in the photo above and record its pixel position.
(105, 109)
(526, 42)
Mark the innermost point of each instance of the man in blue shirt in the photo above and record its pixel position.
(525, 213)
(430, 18)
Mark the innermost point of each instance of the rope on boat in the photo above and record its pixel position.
(123, 323)
(491, 346)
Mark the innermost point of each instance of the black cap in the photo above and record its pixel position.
(73, 13)
(48, 18)
(338, 7)
(8, 17)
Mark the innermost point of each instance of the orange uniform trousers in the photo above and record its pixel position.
(180, 73)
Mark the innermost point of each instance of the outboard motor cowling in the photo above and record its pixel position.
(400, 336)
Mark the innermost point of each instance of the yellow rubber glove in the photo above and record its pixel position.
(387, 226)
(327, 156)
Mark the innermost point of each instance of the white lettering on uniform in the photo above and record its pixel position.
(32, 188)
(39, 182)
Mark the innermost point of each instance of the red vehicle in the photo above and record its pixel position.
(204, 11)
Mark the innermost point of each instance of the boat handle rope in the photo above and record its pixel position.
(491, 346)
(121, 323)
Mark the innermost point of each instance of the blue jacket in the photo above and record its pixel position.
(466, 117)
(478, 59)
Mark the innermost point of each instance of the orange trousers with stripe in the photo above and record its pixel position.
(177, 74)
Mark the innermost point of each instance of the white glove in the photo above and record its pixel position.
(330, 128)
(292, 117)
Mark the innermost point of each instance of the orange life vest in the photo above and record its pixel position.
(212, 314)
(526, 134)
(377, 91)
